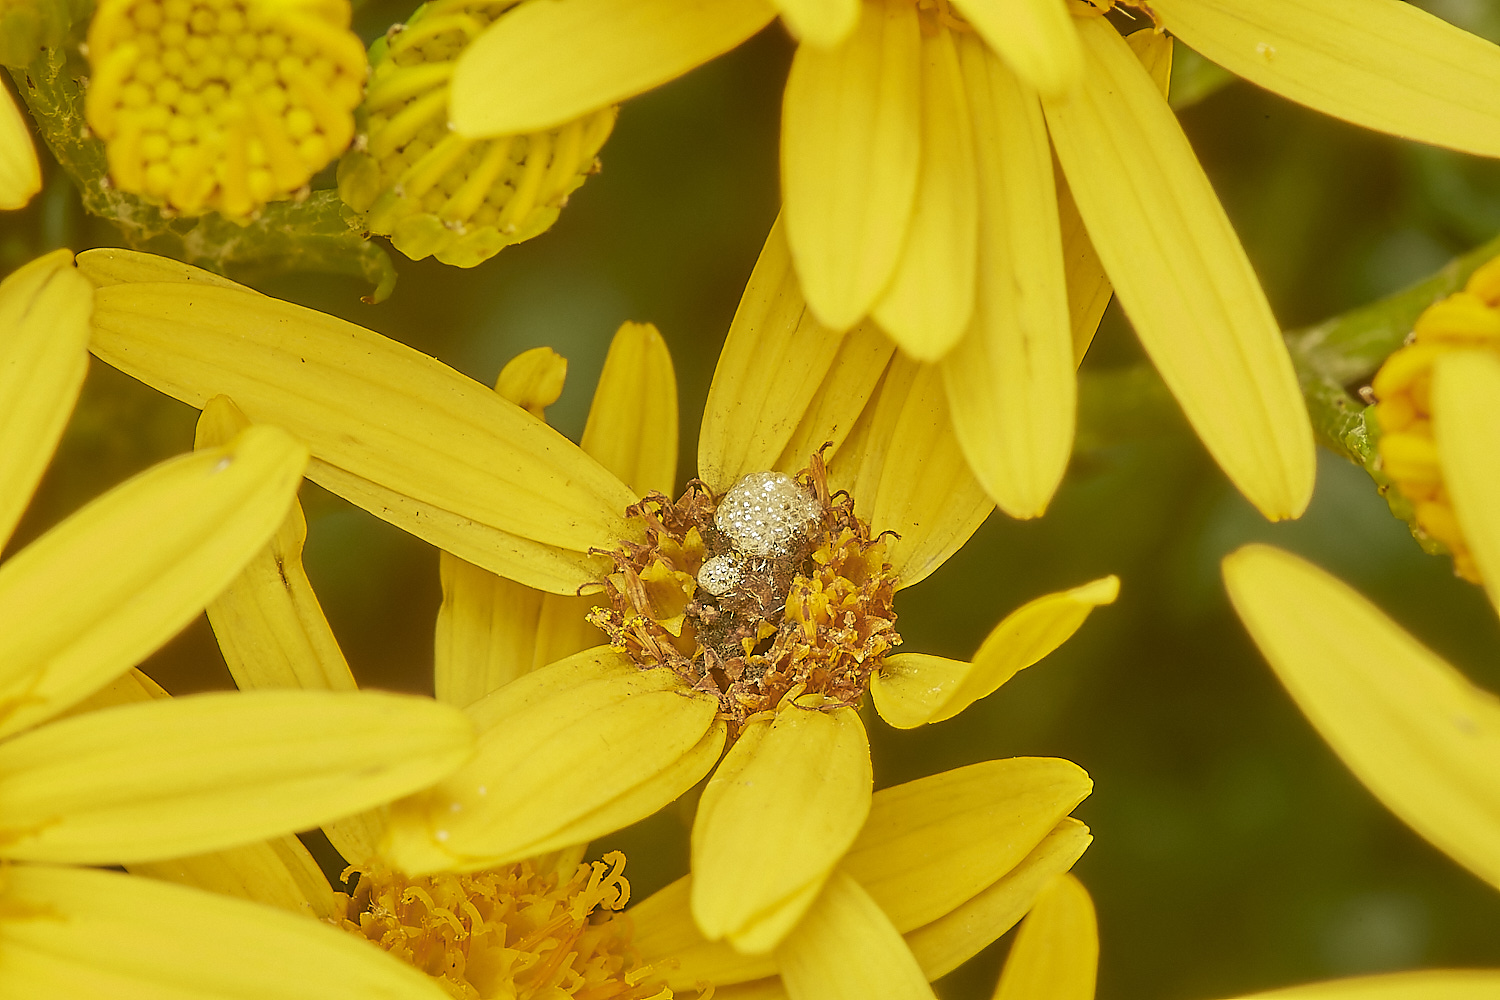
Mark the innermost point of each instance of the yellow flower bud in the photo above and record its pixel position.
(435, 192)
(1408, 452)
(222, 105)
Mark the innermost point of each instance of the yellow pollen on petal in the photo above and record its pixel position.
(771, 590)
(523, 931)
(434, 192)
(222, 105)
(1402, 388)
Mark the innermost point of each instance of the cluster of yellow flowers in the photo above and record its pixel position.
(901, 364)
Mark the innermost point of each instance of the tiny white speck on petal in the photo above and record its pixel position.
(441, 836)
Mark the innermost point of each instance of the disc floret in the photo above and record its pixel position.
(524, 930)
(772, 588)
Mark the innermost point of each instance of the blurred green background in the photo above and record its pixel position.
(1233, 852)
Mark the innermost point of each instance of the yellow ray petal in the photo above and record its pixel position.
(1035, 37)
(44, 311)
(486, 632)
(557, 747)
(775, 358)
(97, 593)
(552, 568)
(1447, 984)
(20, 171)
(824, 23)
(367, 406)
(1181, 274)
(907, 474)
(1465, 387)
(1055, 955)
(533, 380)
(777, 815)
(1089, 290)
(1010, 383)
(189, 775)
(270, 626)
(948, 942)
(1412, 728)
(562, 629)
(278, 872)
(852, 379)
(930, 298)
(104, 934)
(116, 266)
(932, 844)
(632, 424)
(850, 146)
(1154, 50)
(667, 938)
(913, 689)
(487, 625)
(846, 949)
(1378, 63)
(541, 65)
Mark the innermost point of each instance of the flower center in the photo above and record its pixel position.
(773, 588)
(1402, 390)
(435, 192)
(221, 104)
(517, 931)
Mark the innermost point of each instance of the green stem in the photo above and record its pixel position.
(315, 233)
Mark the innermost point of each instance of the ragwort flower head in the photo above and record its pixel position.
(1465, 321)
(222, 105)
(436, 192)
(98, 766)
(596, 740)
(918, 188)
(529, 930)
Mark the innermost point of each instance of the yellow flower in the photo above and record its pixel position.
(1465, 321)
(918, 186)
(433, 191)
(532, 930)
(600, 739)
(1413, 729)
(88, 778)
(20, 171)
(943, 866)
(222, 105)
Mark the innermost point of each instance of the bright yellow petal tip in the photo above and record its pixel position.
(913, 689)
(783, 806)
(1056, 952)
(1182, 275)
(1409, 726)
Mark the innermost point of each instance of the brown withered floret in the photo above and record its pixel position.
(816, 617)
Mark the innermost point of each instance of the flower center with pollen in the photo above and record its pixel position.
(520, 931)
(773, 588)
(222, 104)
